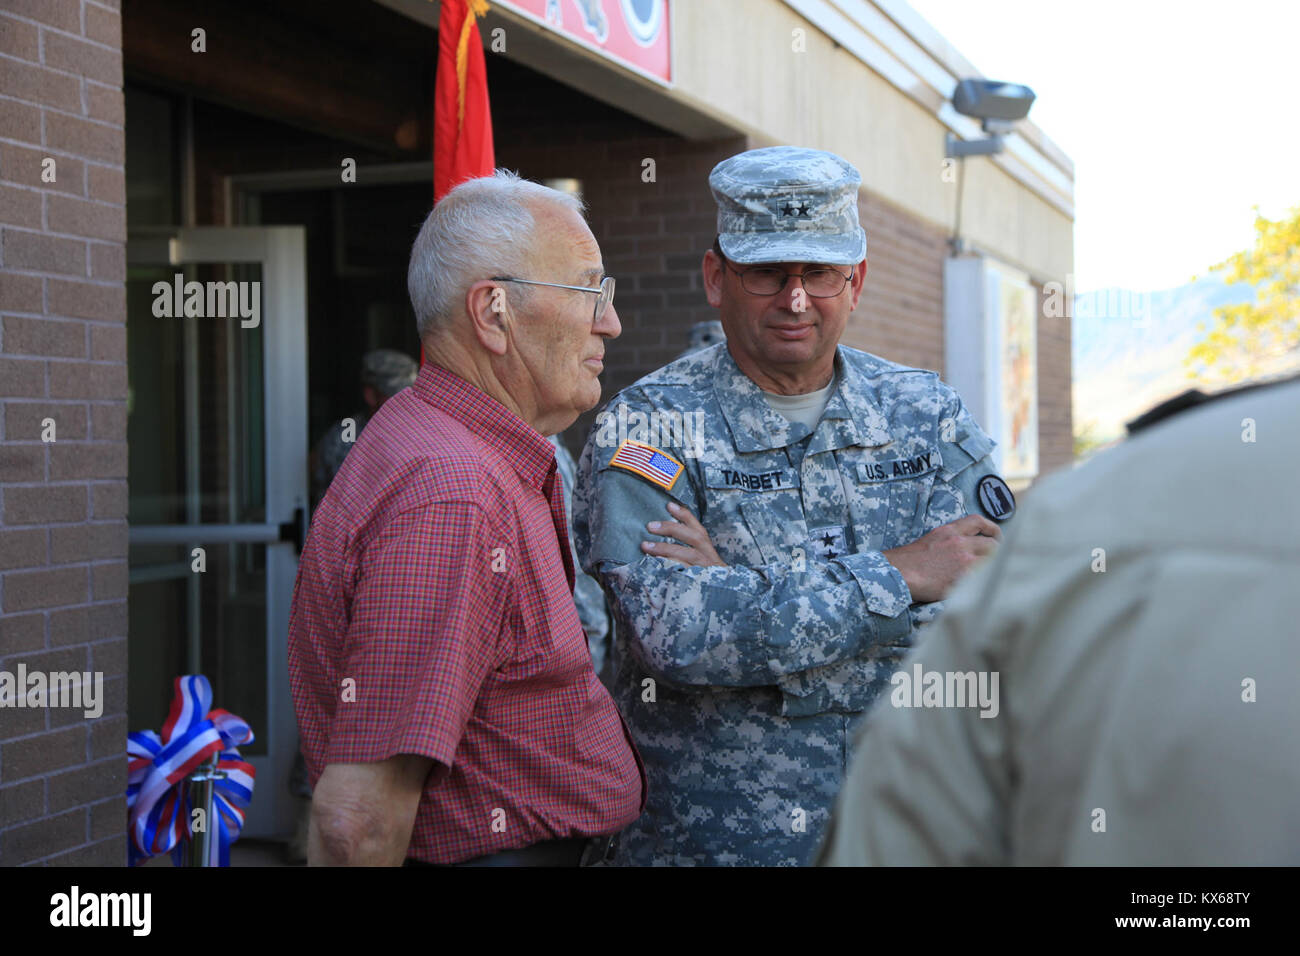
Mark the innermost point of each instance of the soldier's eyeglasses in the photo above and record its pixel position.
(821, 283)
(605, 291)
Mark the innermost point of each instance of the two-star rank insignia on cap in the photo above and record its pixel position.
(655, 466)
(996, 498)
(792, 207)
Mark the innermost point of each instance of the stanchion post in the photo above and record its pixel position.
(202, 791)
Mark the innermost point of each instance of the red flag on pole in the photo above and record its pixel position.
(462, 119)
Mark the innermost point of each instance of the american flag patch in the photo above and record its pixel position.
(649, 462)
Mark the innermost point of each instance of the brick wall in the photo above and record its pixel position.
(63, 550)
(1055, 374)
(900, 314)
(653, 237)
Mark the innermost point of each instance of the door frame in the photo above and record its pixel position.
(282, 253)
(242, 190)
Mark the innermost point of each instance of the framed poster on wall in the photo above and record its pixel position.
(1014, 313)
(991, 357)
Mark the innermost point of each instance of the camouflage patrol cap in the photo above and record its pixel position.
(388, 371)
(788, 204)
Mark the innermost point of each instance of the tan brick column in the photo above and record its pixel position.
(63, 384)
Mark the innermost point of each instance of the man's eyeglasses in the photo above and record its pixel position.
(605, 291)
(820, 283)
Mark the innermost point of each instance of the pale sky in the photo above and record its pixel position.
(1179, 117)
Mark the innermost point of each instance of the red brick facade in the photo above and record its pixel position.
(63, 533)
(1055, 375)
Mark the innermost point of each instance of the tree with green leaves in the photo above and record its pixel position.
(1256, 338)
(1087, 438)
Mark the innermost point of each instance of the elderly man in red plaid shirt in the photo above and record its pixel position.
(444, 691)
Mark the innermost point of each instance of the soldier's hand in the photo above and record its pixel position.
(696, 547)
(934, 562)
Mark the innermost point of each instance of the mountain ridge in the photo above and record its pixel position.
(1128, 348)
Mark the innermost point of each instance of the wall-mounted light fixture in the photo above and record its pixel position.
(999, 105)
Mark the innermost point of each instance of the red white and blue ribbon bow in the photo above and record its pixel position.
(158, 805)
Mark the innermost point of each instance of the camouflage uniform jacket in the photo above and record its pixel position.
(587, 595)
(742, 684)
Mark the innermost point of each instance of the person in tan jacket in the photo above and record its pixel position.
(1138, 633)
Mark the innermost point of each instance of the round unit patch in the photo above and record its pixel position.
(996, 498)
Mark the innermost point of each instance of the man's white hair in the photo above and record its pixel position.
(484, 227)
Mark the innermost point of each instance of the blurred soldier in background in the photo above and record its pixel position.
(704, 334)
(384, 373)
(1142, 619)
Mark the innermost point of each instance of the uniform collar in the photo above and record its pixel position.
(849, 418)
(529, 454)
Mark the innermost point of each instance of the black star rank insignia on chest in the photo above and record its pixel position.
(828, 542)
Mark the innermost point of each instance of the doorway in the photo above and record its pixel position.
(222, 413)
(217, 411)
(359, 238)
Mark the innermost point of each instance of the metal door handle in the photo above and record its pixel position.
(295, 530)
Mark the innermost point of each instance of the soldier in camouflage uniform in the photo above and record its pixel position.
(808, 504)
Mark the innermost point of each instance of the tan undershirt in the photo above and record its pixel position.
(805, 408)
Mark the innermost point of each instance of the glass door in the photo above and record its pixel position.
(217, 439)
